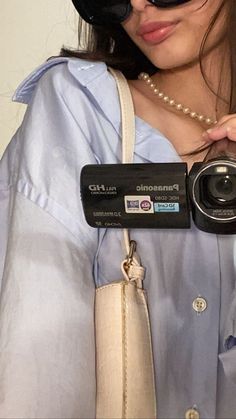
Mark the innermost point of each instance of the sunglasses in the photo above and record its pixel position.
(102, 12)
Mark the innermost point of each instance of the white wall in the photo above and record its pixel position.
(30, 32)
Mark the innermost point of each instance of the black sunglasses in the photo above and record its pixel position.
(103, 12)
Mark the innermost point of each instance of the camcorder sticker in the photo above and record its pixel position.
(166, 207)
(140, 204)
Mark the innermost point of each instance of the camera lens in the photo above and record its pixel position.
(224, 186)
(221, 189)
(212, 190)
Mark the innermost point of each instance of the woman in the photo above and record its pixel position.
(51, 259)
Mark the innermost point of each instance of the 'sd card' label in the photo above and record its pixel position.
(166, 207)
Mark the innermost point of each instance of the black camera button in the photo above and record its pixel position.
(199, 305)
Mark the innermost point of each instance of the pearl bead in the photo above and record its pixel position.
(172, 102)
(148, 81)
(179, 107)
(161, 95)
(193, 114)
(201, 118)
(208, 121)
(156, 91)
(152, 85)
(166, 99)
(186, 111)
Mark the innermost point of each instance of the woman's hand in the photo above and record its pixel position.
(225, 128)
(222, 138)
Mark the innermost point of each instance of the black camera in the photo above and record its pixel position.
(161, 195)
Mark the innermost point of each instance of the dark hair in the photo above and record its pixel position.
(113, 46)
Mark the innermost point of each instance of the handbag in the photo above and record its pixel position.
(124, 359)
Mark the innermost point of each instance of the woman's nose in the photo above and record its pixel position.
(140, 5)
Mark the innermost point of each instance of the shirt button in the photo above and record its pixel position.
(192, 414)
(199, 304)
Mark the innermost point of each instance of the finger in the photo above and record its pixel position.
(231, 133)
(222, 131)
(216, 133)
(226, 118)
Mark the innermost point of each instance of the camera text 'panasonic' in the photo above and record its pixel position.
(158, 188)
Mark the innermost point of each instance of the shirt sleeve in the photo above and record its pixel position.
(47, 355)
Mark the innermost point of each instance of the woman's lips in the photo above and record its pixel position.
(156, 32)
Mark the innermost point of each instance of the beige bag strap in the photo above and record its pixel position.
(131, 267)
(127, 116)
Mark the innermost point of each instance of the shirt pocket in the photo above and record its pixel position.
(228, 358)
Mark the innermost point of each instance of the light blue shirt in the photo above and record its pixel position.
(50, 260)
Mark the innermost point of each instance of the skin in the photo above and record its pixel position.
(179, 74)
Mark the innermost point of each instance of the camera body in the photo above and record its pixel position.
(161, 195)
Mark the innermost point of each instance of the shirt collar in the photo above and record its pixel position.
(151, 145)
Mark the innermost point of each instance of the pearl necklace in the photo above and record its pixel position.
(171, 102)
